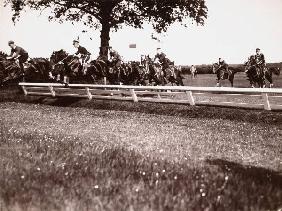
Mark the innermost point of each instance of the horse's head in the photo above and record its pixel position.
(58, 56)
(3, 56)
(275, 70)
(214, 67)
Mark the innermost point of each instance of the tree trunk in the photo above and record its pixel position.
(105, 38)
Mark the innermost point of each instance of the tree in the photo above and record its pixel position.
(113, 14)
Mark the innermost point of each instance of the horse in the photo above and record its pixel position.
(10, 71)
(173, 75)
(66, 65)
(178, 76)
(113, 73)
(229, 74)
(269, 72)
(138, 73)
(38, 70)
(156, 75)
(258, 75)
(96, 70)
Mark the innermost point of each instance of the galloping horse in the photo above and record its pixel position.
(37, 70)
(223, 75)
(173, 76)
(66, 65)
(138, 74)
(9, 70)
(96, 71)
(269, 72)
(156, 75)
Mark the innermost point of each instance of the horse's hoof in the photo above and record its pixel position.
(271, 86)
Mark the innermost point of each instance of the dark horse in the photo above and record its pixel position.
(35, 70)
(173, 75)
(38, 70)
(96, 70)
(132, 73)
(9, 70)
(221, 74)
(66, 67)
(258, 75)
(156, 75)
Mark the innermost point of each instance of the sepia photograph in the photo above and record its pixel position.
(140, 105)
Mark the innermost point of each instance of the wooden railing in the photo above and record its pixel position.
(266, 98)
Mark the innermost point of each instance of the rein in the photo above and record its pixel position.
(61, 60)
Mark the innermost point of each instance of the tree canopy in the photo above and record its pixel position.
(113, 14)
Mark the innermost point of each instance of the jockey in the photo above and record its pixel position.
(19, 54)
(161, 58)
(82, 53)
(259, 58)
(222, 65)
(115, 58)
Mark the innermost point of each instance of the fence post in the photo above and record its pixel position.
(24, 90)
(190, 98)
(89, 95)
(52, 91)
(134, 96)
(266, 101)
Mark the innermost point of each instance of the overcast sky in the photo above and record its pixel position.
(233, 30)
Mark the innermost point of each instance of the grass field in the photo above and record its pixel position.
(240, 80)
(68, 154)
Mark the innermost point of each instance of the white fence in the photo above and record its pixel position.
(264, 98)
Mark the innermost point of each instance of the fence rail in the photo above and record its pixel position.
(268, 97)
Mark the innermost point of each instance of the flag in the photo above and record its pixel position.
(132, 45)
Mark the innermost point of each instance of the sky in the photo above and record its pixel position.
(232, 31)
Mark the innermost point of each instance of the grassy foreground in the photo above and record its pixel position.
(143, 157)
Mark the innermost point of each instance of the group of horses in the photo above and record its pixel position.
(257, 75)
(62, 65)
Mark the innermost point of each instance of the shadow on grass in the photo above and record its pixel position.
(259, 175)
(76, 174)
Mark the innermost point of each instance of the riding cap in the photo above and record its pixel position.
(11, 42)
(257, 49)
(75, 41)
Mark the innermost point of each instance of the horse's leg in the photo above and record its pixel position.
(218, 78)
(231, 82)
(231, 79)
(268, 76)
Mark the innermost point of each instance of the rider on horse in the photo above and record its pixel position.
(115, 58)
(257, 60)
(82, 53)
(260, 60)
(222, 65)
(162, 59)
(19, 54)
